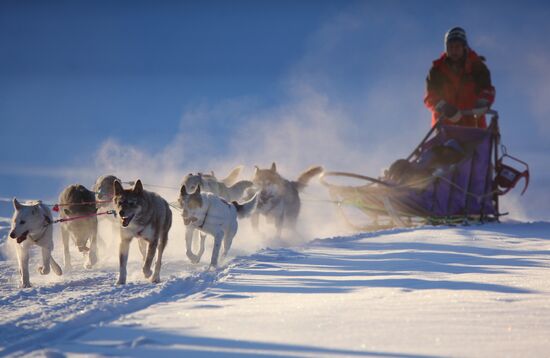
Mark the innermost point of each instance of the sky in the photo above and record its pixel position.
(157, 89)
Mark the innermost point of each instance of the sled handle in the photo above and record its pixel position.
(467, 112)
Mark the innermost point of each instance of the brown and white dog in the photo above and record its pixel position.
(77, 201)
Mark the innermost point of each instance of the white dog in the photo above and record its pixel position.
(31, 225)
(228, 188)
(213, 215)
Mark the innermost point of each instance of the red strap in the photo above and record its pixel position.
(83, 216)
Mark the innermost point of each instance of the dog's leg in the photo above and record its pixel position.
(151, 247)
(189, 245)
(143, 248)
(279, 222)
(92, 254)
(218, 238)
(163, 239)
(23, 259)
(124, 247)
(255, 220)
(66, 253)
(55, 267)
(201, 245)
(228, 238)
(46, 255)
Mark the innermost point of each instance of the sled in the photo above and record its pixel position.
(454, 176)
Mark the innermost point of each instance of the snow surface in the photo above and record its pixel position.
(475, 291)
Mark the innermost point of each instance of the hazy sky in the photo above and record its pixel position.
(90, 86)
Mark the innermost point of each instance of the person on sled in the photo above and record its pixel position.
(459, 80)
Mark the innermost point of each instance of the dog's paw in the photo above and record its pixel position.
(57, 270)
(25, 285)
(90, 263)
(155, 279)
(68, 268)
(44, 270)
(92, 259)
(147, 272)
(193, 258)
(213, 267)
(120, 282)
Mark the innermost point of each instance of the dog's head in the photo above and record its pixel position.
(128, 202)
(191, 204)
(26, 220)
(192, 181)
(104, 187)
(263, 178)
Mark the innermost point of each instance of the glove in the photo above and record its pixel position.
(481, 107)
(448, 111)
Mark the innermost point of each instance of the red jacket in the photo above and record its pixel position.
(461, 87)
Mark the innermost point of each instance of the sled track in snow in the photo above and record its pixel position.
(69, 308)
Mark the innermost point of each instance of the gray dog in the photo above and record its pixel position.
(77, 201)
(279, 199)
(104, 193)
(148, 217)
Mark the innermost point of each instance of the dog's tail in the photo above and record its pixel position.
(55, 267)
(231, 178)
(236, 191)
(306, 176)
(246, 208)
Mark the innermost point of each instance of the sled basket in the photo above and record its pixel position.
(448, 179)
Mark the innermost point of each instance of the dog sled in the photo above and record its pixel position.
(456, 175)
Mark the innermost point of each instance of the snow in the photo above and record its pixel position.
(473, 291)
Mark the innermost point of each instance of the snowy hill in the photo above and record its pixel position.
(460, 291)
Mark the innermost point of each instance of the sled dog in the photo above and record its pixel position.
(75, 200)
(148, 217)
(278, 198)
(104, 190)
(213, 215)
(226, 188)
(104, 193)
(31, 225)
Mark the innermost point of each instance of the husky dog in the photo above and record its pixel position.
(226, 188)
(278, 197)
(76, 200)
(104, 192)
(211, 214)
(148, 217)
(31, 225)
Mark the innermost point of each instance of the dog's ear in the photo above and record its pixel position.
(117, 188)
(183, 190)
(256, 169)
(273, 167)
(16, 204)
(138, 187)
(198, 190)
